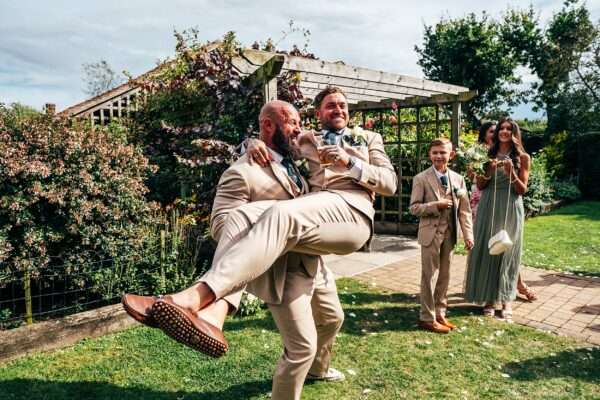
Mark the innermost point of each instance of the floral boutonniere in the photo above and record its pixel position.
(302, 166)
(460, 192)
(356, 137)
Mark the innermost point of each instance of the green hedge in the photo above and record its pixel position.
(588, 146)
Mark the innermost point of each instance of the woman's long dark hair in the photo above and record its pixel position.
(483, 130)
(517, 149)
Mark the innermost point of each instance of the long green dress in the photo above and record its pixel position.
(493, 279)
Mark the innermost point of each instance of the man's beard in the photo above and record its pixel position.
(282, 144)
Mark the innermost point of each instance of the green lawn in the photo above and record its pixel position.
(566, 239)
(381, 352)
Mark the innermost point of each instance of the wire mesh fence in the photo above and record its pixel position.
(94, 279)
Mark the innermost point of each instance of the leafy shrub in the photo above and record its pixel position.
(249, 305)
(539, 188)
(67, 191)
(566, 190)
(559, 146)
(588, 147)
(7, 321)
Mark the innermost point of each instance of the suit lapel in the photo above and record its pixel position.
(282, 177)
(453, 178)
(453, 184)
(432, 179)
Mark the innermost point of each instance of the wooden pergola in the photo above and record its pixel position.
(368, 91)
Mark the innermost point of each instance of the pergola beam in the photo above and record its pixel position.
(266, 76)
(340, 70)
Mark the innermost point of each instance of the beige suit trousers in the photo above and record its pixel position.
(236, 227)
(309, 318)
(318, 223)
(435, 273)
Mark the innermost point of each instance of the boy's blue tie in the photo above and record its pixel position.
(444, 180)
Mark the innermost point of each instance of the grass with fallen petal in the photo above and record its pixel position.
(383, 357)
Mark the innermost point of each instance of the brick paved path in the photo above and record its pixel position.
(567, 305)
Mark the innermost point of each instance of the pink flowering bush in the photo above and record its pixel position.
(69, 195)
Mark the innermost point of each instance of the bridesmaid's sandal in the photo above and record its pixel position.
(507, 314)
(528, 292)
(489, 310)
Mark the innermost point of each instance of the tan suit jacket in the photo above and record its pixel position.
(244, 186)
(426, 191)
(378, 175)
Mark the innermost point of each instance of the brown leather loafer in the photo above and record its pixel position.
(443, 321)
(140, 308)
(433, 326)
(188, 329)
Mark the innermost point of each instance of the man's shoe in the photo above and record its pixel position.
(443, 321)
(189, 329)
(333, 375)
(140, 308)
(433, 326)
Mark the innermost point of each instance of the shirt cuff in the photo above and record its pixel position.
(356, 170)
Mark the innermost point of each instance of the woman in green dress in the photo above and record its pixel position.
(493, 279)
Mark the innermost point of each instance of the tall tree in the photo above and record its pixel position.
(554, 54)
(470, 52)
(99, 77)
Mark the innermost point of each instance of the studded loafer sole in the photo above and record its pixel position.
(178, 324)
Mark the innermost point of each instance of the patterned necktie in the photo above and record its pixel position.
(444, 180)
(292, 172)
(330, 138)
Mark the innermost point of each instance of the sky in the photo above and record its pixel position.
(43, 44)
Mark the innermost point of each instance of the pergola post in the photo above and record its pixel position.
(455, 124)
(270, 90)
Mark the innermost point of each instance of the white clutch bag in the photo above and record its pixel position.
(499, 243)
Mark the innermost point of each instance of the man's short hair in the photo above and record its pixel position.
(441, 141)
(326, 92)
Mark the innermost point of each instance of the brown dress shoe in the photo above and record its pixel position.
(187, 328)
(443, 321)
(140, 308)
(433, 326)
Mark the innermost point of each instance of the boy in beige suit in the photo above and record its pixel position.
(439, 198)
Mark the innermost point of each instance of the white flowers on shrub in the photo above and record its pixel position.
(249, 305)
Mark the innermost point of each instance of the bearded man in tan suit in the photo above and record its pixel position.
(336, 217)
(299, 289)
(440, 199)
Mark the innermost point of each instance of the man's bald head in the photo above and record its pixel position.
(277, 111)
(279, 125)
